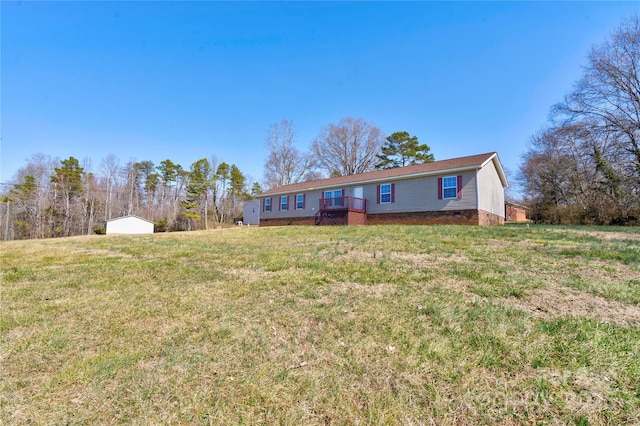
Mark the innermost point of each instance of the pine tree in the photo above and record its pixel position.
(25, 199)
(197, 191)
(256, 189)
(68, 186)
(402, 150)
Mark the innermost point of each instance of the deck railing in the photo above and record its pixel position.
(351, 204)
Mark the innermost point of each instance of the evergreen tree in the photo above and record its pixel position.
(24, 197)
(237, 184)
(68, 186)
(256, 189)
(401, 149)
(197, 191)
(151, 180)
(169, 175)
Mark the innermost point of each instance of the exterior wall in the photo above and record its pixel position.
(129, 225)
(356, 218)
(453, 217)
(312, 203)
(251, 213)
(342, 217)
(415, 200)
(283, 221)
(411, 195)
(490, 190)
(487, 218)
(514, 213)
(421, 194)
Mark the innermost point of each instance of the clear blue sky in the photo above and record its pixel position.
(187, 80)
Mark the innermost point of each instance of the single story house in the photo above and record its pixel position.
(251, 212)
(129, 225)
(466, 190)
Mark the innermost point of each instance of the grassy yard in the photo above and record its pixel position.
(324, 325)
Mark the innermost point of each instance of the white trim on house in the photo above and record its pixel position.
(498, 165)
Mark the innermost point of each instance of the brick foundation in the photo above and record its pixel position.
(450, 217)
(486, 218)
(457, 217)
(288, 221)
(356, 218)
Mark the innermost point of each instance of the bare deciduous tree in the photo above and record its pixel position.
(110, 168)
(285, 164)
(40, 167)
(608, 94)
(593, 142)
(348, 148)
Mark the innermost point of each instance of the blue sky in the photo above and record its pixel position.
(187, 80)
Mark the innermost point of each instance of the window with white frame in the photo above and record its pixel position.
(267, 204)
(283, 202)
(450, 187)
(299, 201)
(385, 193)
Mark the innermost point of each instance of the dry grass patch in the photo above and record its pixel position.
(618, 235)
(559, 302)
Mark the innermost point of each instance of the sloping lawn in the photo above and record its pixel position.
(324, 325)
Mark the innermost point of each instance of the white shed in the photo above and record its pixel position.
(251, 212)
(129, 225)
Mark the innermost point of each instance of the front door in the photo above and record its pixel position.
(358, 195)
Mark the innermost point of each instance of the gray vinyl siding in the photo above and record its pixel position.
(251, 212)
(411, 195)
(491, 191)
(421, 194)
(312, 203)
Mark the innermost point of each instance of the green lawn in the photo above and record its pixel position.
(324, 325)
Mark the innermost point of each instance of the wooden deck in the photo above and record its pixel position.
(342, 211)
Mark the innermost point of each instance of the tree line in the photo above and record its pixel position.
(60, 198)
(583, 167)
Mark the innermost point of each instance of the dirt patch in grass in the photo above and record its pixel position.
(556, 301)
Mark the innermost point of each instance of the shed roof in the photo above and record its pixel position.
(473, 162)
(131, 215)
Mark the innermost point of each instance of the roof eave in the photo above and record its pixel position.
(376, 180)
